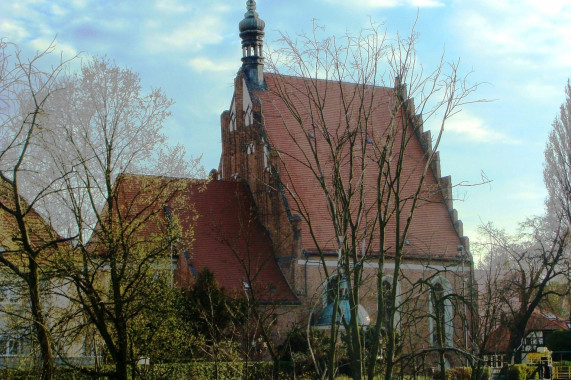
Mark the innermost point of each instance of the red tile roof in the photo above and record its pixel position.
(499, 338)
(432, 231)
(40, 232)
(226, 237)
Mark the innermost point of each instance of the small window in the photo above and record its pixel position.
(10, 346)
(266, 157)
(250, 148)
(247, 286)
(248, 117)
(232, 126)
(232, 122)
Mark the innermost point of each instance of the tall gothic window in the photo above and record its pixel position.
(441, 321)
(387, 309)
(331, 290)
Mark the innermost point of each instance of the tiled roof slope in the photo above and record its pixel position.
(40, 232)
(500, 337)
(226, 235)
(432, 231)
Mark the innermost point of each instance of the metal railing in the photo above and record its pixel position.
(561, 372)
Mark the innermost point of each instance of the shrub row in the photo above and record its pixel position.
(192, 370)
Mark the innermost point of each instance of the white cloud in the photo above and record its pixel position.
(201, 64)
(172, 6)
(532, 87)
(426, 3)
(391, 3)
(66, 50)
(529, 195)
(193, 35)
(522, 34)
(474, 129)
(524, 189)
(58, 10)
(15, 32)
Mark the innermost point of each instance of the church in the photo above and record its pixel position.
(319, 179)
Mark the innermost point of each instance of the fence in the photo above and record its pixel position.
(561, 372)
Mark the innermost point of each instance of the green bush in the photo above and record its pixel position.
(298, 355)
(29, 374)
(521, 372)
(167, 371)
(483, 373)
(208, 370)
(459, 373)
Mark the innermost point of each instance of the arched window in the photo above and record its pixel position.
(441, 311)
(330, 290)
(325, 318)
(246, 105)
(386, 286)
(233, 116)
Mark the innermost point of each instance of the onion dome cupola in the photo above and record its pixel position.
(252, 35)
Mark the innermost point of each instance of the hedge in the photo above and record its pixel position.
(192, 370)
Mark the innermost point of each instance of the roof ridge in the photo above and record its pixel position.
(326, 80)
(159, 176)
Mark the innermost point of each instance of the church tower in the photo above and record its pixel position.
(252, 35)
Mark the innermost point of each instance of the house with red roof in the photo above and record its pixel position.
(25, 240)
(537, 330)
(218, 230)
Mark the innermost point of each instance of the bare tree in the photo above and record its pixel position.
(353, 138)
(67, 140)
(557, 169)
(28, 242)
(492, 309)
(530, 262)
(522, 272)
(101, 126)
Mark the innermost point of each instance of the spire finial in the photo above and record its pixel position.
(251, 7)
(252, 35)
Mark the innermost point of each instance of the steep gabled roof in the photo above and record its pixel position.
(432, 231)
(219, 231)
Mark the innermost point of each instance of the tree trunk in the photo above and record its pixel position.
(354, 329)
(389, 355)
(120, 323)
(517, 333)
(39, 322)
(276, 369)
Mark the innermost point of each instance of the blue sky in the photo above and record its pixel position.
(521, 49)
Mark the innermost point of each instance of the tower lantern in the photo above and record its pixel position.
(252, 35)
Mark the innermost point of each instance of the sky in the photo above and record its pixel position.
(518, 50)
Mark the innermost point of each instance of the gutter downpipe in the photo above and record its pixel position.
(306, 254)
